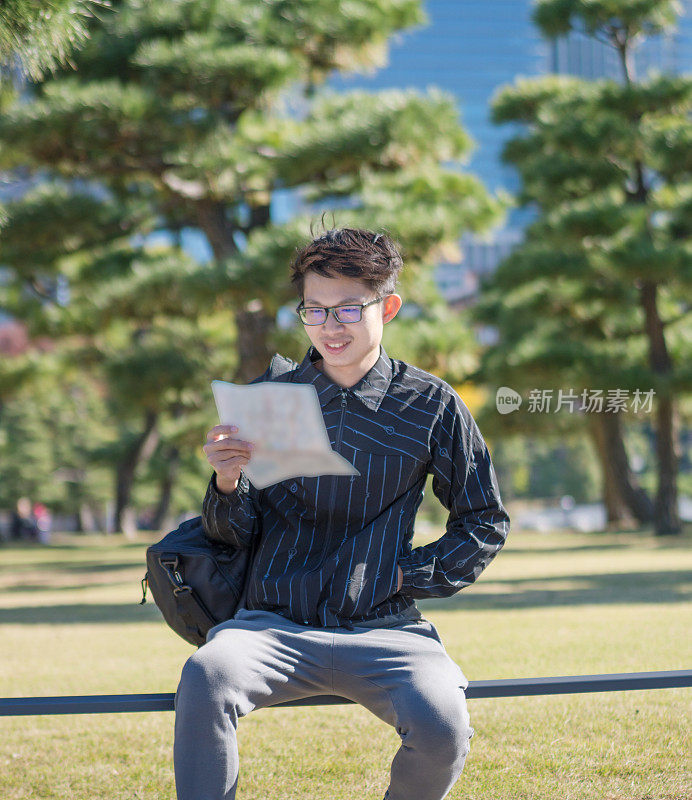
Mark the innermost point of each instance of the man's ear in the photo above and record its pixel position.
(390, 307)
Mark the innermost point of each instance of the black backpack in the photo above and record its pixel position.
(195, 582)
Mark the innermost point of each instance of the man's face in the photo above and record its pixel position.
(347, 365)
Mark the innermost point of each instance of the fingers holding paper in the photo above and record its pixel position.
(227, 455)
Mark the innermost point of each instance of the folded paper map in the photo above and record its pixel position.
(285, 423)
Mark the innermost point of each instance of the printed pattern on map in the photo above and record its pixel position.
(284, 422)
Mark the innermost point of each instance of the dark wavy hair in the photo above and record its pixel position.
(371, 257)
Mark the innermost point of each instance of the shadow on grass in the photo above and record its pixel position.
(100, 566)
(71, 566)
(52, 581)
(90, 542)
(23, 588)
(619, 588)
(577, 548)
(80, 613)
(655, 545)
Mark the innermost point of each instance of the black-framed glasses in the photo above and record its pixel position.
(347, 313)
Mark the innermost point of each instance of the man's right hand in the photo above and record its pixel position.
(227, 456)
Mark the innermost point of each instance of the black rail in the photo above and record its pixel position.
(520, 687)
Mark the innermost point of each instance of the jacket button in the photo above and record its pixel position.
(389, 429)
(292, 552)
(294, 487)
(443, 451)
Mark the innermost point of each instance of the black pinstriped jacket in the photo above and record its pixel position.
(327, 548)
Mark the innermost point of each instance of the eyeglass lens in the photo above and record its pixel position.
(318, 316)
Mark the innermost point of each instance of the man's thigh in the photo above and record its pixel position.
(402, 674)
(259, 658)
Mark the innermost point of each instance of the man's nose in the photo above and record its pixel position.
(332, 322)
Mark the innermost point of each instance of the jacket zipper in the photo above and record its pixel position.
(303, 593)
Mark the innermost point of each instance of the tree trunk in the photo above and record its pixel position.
(254, 327)
(667, 519)
(87, 518)
(161, 515)
(253, 323)
(218, 229)
(615, 507)
(141, 450)
(624, 482)
(666, 516)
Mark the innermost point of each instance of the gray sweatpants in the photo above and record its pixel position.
(402, 674)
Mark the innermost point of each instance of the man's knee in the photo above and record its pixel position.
(207, 677)
(439, 724)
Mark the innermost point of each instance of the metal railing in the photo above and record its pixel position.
(520, 687)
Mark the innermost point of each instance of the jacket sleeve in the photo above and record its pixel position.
(233, 519)
(464, 482)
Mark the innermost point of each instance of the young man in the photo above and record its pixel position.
(330, 605)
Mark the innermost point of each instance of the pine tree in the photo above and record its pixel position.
(195, 115)
(39, 35)
(596, 295)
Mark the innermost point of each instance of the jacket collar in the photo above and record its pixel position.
(370, 389)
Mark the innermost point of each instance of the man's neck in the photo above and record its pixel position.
(346, 379)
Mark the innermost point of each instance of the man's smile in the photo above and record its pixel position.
(335, 347)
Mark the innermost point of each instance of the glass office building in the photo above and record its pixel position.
(470, 48)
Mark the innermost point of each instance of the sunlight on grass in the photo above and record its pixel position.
(551, 604)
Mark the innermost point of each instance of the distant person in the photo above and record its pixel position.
(330, 605)
(5, 526)
(42, 518)
(23, 525)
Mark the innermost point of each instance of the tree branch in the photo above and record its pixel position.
(673, 320)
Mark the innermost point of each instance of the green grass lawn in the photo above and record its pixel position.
(558, 604)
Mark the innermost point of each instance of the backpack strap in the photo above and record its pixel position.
(280, 365)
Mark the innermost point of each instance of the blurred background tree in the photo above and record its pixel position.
(35, 37)
(38, 35)
(597, 296)
(192, 118)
